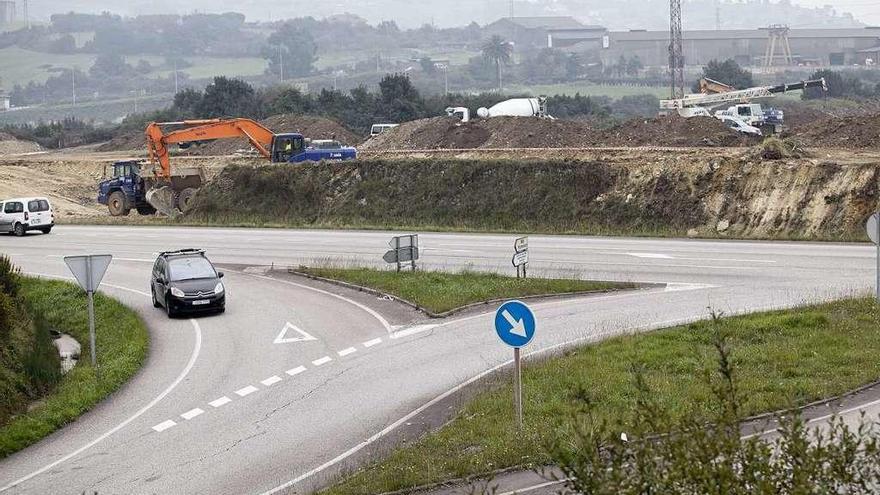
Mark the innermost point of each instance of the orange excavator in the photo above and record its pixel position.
(168, 191)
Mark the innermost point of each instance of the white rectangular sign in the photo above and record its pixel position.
(520, 259)
(521, 244)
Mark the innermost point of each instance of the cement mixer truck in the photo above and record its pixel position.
(517, 107)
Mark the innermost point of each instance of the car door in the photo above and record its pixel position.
(159, 273)
(36, 216)
(5, 224)
(13, 211)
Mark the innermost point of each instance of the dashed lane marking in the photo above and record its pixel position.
(346, 352)
(296, 371)
(192, 413)
(164, 425)
(272, 380)
(324, 360)
(371, 343)
(222, 401)
(246, 391)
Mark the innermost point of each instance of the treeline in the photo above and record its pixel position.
(397, 100)
(64, 133)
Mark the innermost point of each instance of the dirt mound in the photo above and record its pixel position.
(529, 132)
(310, 127)
(855, 132)
(10, 145)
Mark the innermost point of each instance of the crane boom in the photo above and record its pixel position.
(202, 130)
(709, 100)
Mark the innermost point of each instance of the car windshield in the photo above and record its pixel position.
(190, 269)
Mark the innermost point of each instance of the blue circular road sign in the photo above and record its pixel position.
(515, 324)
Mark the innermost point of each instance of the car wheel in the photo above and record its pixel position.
(171, 312)
(46, 230)
(116, 205)
(155, 301)
(18, 230)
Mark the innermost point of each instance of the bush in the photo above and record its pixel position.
(9, 276)
(689, 456)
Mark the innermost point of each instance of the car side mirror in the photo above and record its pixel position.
(220, 274)
(160, 280)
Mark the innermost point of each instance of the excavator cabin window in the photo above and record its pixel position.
(286, 147)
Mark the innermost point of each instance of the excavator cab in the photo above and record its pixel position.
(286, 146)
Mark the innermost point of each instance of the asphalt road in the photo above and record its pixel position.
(220, 407)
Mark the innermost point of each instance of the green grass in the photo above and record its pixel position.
(21, 66)
(587, 89)
(439, 292)
(782, 359)
(122, 343)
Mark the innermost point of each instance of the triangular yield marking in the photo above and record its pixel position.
(303, 335)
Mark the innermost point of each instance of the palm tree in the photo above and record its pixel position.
(498, 51)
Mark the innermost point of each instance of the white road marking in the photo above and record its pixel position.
(413, 330)
(346, 352)
(296, 371)
(303, 335)
(192, 413)
(272, 380)
(246, 391)
(324, 360)
(372, 312)
(535, 487)
(197, 348)
(222, 401)
(371, 343)
(164, 426)
(651, 255)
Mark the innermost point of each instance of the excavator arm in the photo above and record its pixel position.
(203, 130)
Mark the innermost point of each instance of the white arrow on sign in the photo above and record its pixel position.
(517, 326)
(303, 335)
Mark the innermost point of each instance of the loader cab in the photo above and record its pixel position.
(125, 169)
(285, 146)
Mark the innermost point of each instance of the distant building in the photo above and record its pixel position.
(4, 101)
(531, 32)
(821, 47)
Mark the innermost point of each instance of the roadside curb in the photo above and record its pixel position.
(466, 307)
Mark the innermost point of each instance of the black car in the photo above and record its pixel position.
(185, 281)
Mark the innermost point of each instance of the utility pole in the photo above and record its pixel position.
(176, 86)
(511, 9)
(73, 83)
(281, 61)
(27, 17)
(676, 50)
(717, 15)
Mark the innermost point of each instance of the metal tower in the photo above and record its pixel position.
(676, 51)
(25, 13)
(778, 37)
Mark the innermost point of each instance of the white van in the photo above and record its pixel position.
(20, 215)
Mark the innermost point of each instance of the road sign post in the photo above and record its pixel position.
(404, 248)
(515, 326)
(873, 228)
(88, 271)
(521, 256)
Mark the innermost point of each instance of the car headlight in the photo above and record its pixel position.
(177, 292)
(218, 288)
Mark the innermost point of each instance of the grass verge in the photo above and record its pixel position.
(783, 359)
(439, 292)
(122, 343)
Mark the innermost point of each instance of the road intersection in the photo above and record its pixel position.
(226, 404)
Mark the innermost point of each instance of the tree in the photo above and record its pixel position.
(839, 86)
(291, 49)
(728, 72)
(401, 101)
(427, 65)
(499, 52)
(228, 97)
(64, 44)
(110, 65)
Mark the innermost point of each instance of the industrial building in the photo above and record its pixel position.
(4, 101)
(533, 31)
(815, 47)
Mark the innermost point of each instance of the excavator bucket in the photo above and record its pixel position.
(163, 199)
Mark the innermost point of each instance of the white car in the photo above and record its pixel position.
(739, 125)
(377, 129)
(20, 215)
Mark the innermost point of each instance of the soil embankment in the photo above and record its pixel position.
(733, 195)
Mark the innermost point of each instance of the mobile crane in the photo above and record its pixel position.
(168, 191)
(716, 94)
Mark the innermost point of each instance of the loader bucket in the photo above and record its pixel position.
(162, 198)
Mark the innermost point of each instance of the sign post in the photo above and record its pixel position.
(873, 228)
(521, 256)
(515, 326)
(404, 248)
(88, 271)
